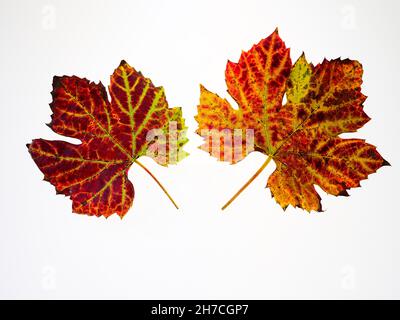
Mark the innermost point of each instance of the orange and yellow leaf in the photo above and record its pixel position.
(302, 135)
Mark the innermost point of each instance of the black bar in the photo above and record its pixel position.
(198, 309)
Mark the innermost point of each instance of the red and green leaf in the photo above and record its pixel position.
(113, 136)
(302, 135)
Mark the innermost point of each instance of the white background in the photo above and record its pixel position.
(253, 249)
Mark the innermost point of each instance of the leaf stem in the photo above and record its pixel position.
(158, 182)
(248, 182)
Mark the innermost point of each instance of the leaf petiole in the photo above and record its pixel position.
(248, 182)
(158, 182)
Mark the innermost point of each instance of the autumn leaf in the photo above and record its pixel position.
(113, 136)
(303, 135)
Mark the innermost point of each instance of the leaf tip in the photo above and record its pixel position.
(386, 163)
(343, 193)
(120, 215)
(202, 88)
(303, 56)
(56, 81)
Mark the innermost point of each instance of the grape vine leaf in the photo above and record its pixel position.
(302, 136)
(113, 136)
